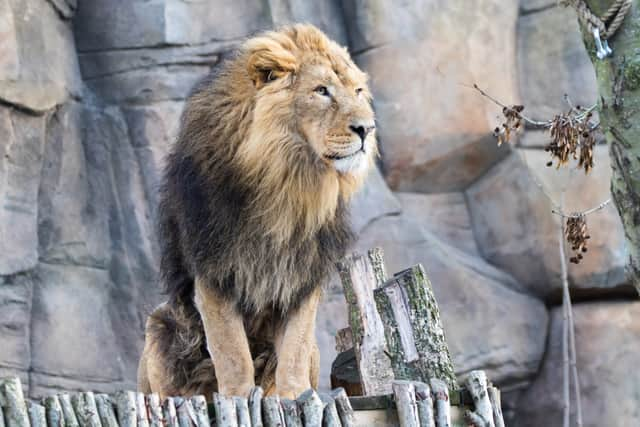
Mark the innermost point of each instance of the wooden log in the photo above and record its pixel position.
(424, 402)
(106, 411)
(169, 412)
(272, 414)
(156, 417)
(1, 415)
(413, 329)
(477, 385)
(141, 410)
(496, 405)
(291, 413)
(70, 419)
(225, 408)
(472, 419)
(359, 278)
(84, 404)
(255, 406)
(185, 413)
(37, 414)
(242, 411)
(126, 408)
(344, 340)
(442, 405)
(199, 404)
(330, 417)
(13, 403)
(311, 407)
(343, 406)
(405, 397)
(53, 412)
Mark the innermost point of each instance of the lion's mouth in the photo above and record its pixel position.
(336, 156)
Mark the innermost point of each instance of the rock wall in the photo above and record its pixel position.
(90, 97)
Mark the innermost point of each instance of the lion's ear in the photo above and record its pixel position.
(270, 57)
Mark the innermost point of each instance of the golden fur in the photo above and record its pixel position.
(253, 215)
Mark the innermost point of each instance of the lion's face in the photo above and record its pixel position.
(334, 114)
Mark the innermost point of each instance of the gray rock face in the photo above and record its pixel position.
(39, 67)
(552, 61)
(607, 337)
(516, 230)
(435, 130)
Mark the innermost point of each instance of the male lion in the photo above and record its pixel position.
(253, 217)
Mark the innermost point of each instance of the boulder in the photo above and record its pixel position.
(39, 67)
(517, 231)
(22, 141)
(445, 215)
(435, 129)
(607, 335)
(531, 6)
(476, 301)
(552, 62)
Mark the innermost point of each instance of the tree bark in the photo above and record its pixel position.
(619, 87)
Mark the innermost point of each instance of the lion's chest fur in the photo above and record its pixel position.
(210, 228)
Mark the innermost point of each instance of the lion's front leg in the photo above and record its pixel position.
(226, 340)
(297, 351)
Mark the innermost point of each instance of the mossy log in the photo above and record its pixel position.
(618, 78)
(360, 276)
(413, 329)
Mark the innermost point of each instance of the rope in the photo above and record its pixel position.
(616, 14)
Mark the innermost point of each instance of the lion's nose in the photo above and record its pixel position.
(362, 129)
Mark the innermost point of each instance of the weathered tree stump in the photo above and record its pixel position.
(413, 330)
(360, 276)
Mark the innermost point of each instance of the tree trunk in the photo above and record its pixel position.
(619, 87)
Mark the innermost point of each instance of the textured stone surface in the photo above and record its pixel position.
(22, 140)
(434, 128)
(517, 231)
(607, 336)
(373, 201)
(552, 62)
(39, 67)
(445, 215)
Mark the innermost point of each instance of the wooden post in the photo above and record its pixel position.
(477, 384)
(442, 404)
(494, 397)
(185, 413)
(425, 405)
(345, 411)
(169, 412)
(13, 404)
(156, 418)
(70, 419)
(126, 408)
(311, 407)
(413, 330)
(405, 397)
(330, 417)
(255, 406)
(53, 412)
(291, 414)
(199, 404)
(106, 412)
(84, 405)
(360, 276)
(242, 410)
(37, 416)
(272, 414)
(225, 411)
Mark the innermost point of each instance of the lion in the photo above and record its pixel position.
(253, 216)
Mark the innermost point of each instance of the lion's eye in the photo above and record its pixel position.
(359, 91)
(322, 90)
